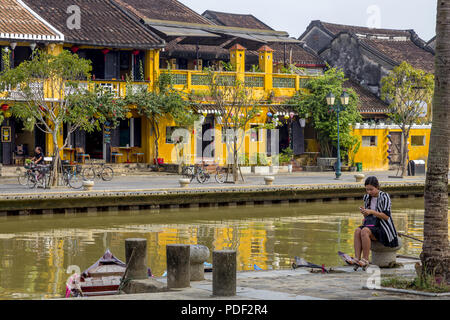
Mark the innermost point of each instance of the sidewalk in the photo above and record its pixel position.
(298, 284)
(161, 180)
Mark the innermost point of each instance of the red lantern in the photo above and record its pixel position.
(74, 49)
(135, 54)
(5, 107)
(105, 52)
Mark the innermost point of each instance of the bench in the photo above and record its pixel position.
(384, 257)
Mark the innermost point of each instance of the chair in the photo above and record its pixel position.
(81, 154)
(115, 153)
(138, 155)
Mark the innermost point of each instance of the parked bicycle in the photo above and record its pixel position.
(71, 176)
(204, 175)
(106, 173)
(189, 172)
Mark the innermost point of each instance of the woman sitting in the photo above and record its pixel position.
(377, 224)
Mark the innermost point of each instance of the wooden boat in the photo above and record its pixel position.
(102, 278)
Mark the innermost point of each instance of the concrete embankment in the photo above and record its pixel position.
(66, 202)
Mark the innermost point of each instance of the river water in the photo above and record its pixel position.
(37, 252)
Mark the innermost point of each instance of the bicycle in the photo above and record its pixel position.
(40, 176)
(189, 172)
(106, 173)
(203, 175)
(23, 178)
(72, 176)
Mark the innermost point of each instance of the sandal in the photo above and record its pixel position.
(363, 263)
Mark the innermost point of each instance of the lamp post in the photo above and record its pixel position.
(338, 108)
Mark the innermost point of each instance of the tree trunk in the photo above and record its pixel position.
(404, 153)
(435, 254)
(56, 161)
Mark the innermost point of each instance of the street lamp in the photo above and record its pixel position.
(338, 108)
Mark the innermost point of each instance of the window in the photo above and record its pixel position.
(369, 141)
(137, 137)
(417, 141)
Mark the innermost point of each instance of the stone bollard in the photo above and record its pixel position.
(184, 182)
(359, 177)
(269, 180)
(178, 267)
(88, 185)
(198, 256)
(384, 256)
(224, 273)
(136, 258)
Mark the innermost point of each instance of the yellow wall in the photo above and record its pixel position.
(375, 157)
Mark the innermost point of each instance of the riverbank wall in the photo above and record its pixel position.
(66, 202)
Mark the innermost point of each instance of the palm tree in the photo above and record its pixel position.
(435, 254)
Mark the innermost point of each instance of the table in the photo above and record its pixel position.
(127, 150)
(71, 152)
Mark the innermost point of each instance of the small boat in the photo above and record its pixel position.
(102, 278)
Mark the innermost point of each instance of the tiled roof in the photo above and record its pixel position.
(396, 45)
(299, 55)
(336, 28)
(16, 22)
(368, 102)
(188, 51)
(102, 24)
(168, 10)
(406, 50)
(235, 20)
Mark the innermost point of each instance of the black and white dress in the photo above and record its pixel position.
(383, 230)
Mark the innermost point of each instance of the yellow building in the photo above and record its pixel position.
(373, 152)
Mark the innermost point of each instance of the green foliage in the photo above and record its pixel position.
(244, 160)
(292, 69)
(161, 103)
(425, 283)
(227, 66)
(324, 121)
(165, 101)
(286, 155)
(50, 94)
(406, 88)
(256, 68)
(259, 159)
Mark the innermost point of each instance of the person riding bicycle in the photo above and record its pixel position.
(38, 156)
(38, 161)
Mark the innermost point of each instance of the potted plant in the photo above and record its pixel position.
(262, 163)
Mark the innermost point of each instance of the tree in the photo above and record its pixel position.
(159, 104)
(435, 254)
(408, 91)
(235, 105)
(49, 94)
(313, 105)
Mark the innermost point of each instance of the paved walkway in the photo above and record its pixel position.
(154, 180)
(299, 284)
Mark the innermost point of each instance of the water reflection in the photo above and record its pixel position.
(36, 251)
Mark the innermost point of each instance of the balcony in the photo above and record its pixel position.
(281, 84)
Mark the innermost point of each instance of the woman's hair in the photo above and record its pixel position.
(373, 181)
